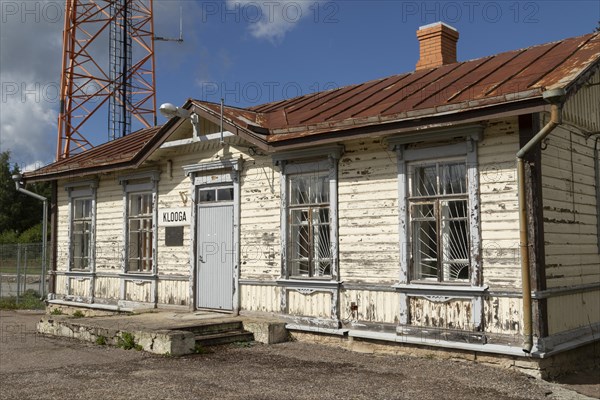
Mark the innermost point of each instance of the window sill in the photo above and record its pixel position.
(77, 272)
(441, 289)
(309, 283)
(138, 275)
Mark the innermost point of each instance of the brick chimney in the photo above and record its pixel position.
(438, 45)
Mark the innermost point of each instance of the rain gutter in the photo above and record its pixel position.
(556, 98)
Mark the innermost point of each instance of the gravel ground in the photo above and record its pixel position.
(36, 367)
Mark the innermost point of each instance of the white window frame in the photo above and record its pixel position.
(319, 160)
(136, 184)
(310, 225)
(144, 250)
(441, 239)
(77, 191)
(464, 145)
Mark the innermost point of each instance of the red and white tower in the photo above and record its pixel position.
(118, 85)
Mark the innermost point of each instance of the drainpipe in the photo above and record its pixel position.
(19, 183)
(556, 98)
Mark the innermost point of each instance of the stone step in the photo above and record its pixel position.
(224, 338)
(213, 328)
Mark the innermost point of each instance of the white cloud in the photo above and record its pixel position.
(30, 70)
(28, 119)
(30, 60)
(271, 20)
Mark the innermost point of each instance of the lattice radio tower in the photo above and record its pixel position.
(125, 86)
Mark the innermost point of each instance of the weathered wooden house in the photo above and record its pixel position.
(453, 206)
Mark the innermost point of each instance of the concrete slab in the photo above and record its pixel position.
(159, 332)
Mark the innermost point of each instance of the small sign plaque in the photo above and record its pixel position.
(173, 216)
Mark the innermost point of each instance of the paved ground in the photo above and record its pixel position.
(35, 367)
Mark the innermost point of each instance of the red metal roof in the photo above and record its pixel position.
(506, 77)
(499, 80)
(120, 152)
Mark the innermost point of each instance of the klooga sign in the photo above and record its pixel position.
(173, 216)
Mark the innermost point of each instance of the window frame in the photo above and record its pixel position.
(142, 218)
(317, 160)
(463, 144)
(77, 191)
(136, 184)
(86, 259)
(437, 200)
(313, 250)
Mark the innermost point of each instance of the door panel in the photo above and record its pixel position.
(215, 256)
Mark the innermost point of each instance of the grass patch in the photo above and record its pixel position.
(56, 311)
(127, 342)
(101, 340)
(78, 314)
(30, 300)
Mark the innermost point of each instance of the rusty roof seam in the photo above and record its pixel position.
(564, 60)
(327, 108)
(391, 93)
(473, 84)
(399, 78)
(511, 76)
(442, 88)
(397, 90)
(419, 89)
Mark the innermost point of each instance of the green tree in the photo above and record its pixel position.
(9, 207)
(18, 212)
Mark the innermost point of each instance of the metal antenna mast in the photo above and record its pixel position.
(126, 86)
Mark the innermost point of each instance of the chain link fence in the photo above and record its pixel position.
(21, 270)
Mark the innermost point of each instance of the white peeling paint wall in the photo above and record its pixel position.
(571, 214)
(368, 213)
(570, 230)
(499, 204)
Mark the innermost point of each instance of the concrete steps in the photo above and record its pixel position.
(218, 333)
(165, 332)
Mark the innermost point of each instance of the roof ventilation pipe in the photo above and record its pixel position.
(556, 98)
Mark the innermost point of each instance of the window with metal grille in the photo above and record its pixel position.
(439, 221)
(140, 232)
(81, 228)
(309, 244)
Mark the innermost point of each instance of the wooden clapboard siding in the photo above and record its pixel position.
(62, 234)
(499, 204)
(572, 311)
(260, 219)
(79, 287)
(316, 304)
(570, 214)
(503, 315)
(454, 314)
(109, 224)
(173, 292)
(368, 213)
(373, 306)
(262, 298)
(174, 191)
(107, 287)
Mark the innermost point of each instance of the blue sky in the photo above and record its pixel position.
(251, 52)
